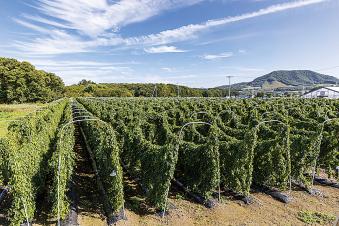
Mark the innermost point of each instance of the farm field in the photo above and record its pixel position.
(169, 113)
(13, 111)
(172, 161)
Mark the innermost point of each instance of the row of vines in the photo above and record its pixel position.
(105, 152)
(210, 144)
(38, 161)
(29, 160)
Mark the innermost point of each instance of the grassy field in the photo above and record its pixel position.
(12, 112)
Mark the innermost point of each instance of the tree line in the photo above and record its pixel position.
(87, 88)
(21, 82)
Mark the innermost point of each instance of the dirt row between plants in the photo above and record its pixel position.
(265, 211)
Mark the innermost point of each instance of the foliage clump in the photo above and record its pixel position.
(311, 217)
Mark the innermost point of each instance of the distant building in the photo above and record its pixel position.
(249, 91)
(331, 92)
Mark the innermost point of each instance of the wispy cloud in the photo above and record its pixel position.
(228, 38)
(167, 69)
(72, 71)
(45, 21)
(57, 42)
(100, 22)
(95, 17)
(191, 31)
(218, 56)
(164, 49)
(243, 69)
(31, 26)
(76, 63)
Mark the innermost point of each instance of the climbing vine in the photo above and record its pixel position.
(28, 151)
(106, 152)
(271, 154)
(64, 152)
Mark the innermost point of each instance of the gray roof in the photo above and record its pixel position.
(333, 88)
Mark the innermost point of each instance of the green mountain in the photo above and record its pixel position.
(294, 78)
(284, 78)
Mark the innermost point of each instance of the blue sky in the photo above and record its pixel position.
(189, 42)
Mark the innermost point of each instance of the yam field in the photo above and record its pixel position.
(171, 161)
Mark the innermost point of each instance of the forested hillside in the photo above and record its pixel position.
(20, 82)
(89, 88)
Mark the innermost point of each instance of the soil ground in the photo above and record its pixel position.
(88, 196)
(265, 211)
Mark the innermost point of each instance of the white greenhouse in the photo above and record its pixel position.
(331, 92)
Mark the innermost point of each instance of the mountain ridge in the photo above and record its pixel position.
(283, 78)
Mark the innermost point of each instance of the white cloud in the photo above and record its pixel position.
(191, 31)
(99, 76)
(31, 26)
(75, 63)
(73, 71)
(45, 21)
(94, 17)
(164, 49)
(101, 20)
(218, 56)
(243, 69)
(228, 38)
(57, 42)
(151, 78)
(168, 69)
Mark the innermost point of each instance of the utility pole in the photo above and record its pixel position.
(303, 92)
(155, 91)
(229, 85)
(178, 90)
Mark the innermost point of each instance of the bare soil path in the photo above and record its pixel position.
(88, 195)
(266, 211)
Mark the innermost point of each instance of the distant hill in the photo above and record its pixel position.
(90, 89)
(295, 78)
(283, 78)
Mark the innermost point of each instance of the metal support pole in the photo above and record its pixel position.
(229, 85)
